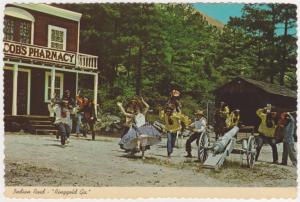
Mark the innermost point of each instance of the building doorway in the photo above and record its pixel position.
(8, 91)
(23, 91)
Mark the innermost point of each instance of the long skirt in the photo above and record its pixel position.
(147, 135)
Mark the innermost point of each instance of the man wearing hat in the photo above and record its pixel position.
(266, 131)
(233, 119)
(221, 115)
(89, 115)
(174, 100)
(173, 123)
(70, 104)
(199, 126)
(62, 116)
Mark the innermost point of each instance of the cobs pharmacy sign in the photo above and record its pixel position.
(39, 53)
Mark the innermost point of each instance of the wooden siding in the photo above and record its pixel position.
(42, 21)
(248, 98)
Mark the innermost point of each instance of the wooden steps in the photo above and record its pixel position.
(42, 125)
(32, 124)
(48, 126)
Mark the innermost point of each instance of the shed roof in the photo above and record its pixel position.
(267, 87)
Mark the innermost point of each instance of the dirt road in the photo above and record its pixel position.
(41, 161)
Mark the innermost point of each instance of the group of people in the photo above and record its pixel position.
(67, 110)
(274, 127)
(139, 135)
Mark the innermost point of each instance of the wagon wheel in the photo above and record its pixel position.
(243, 152)
(251, 151)
(202, 147)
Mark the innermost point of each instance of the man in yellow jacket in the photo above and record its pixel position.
(266, 131)
(233, 119)
(173, 124)
(222, 114)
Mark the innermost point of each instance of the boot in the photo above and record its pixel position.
(189, 155)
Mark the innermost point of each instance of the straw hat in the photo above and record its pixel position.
(175, 93)
(199, 112)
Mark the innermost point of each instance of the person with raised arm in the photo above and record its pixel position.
(141, 134)
(172, 120)
(266, 131)
(62, 118)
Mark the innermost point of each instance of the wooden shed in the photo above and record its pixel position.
(248, 95)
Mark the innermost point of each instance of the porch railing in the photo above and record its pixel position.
(86, 61)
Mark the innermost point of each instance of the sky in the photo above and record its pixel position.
(220, 11)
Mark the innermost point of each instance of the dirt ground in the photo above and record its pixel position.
(36, 160)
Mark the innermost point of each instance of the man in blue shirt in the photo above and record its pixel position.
(288, 140)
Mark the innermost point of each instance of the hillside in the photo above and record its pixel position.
(212, 21)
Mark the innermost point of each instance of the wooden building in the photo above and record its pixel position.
(248, 95)
(41, 57)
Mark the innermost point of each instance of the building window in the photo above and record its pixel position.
(8, 29)
(57, 37)
(25, 32)
(58, 85)
(17, 30)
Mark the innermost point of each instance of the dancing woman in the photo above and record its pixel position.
(141, 134)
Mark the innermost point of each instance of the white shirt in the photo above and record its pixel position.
(199, 124)
(58, 118)
(139, 119)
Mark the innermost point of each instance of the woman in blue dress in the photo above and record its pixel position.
(141, 134)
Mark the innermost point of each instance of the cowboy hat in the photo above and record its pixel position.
(175, 93)
(199, 112)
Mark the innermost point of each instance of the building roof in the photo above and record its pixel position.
(52, 10)
(268, 87)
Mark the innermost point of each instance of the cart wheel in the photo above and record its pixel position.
(251, 151)
(202, 147)
(244, 151)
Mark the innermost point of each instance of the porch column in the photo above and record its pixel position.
(28, 93)
(76, 84)
(15, 89)
(52, 87)
(95, 91)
